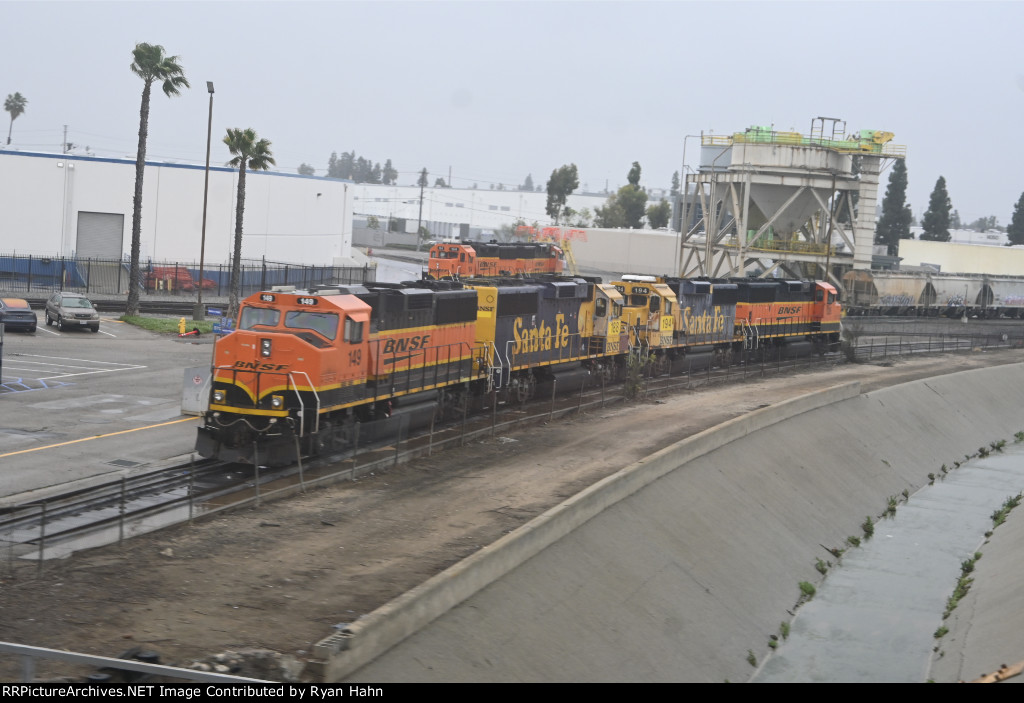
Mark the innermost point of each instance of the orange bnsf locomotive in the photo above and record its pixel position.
(318, 371)
(457, 260)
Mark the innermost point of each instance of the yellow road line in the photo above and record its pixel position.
(99, 436)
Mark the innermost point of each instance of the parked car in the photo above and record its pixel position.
(16, 314)
(71, 310)
(172, 278)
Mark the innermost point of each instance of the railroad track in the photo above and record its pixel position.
(120, 509)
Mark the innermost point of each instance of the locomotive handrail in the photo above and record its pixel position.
(302, 404)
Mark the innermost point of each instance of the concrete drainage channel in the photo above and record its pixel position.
(712, 534)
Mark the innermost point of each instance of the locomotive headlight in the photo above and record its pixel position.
(265, 347)
(218, 396)
(277, 401)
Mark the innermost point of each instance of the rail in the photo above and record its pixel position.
(29, 655)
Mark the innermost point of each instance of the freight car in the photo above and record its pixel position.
(457, 260)
(933, 294)
(310, 372)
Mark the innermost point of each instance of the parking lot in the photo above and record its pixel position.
(83, 406)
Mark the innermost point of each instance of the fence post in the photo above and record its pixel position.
(28, 282)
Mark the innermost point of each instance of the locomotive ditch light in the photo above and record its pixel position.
(218, 396)
(277, 401)
(264, 347)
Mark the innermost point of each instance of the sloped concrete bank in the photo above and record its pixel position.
(675, 567)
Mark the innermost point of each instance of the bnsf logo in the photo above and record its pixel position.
(257, 366)
(789, 310)
(392, 346)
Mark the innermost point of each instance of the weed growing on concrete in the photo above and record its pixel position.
(931, 479)
(963, 585)
(773, 642)
(941, 632)
(807, 589)
(1018, 437)
(982, 452)
(998, 446)
(853, 541)
(999, 516)
(890, 509)
(822, 566)
(868, 526)
(784, 630)
(751, 659)
(906, 493)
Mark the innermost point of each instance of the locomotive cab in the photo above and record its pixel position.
(451, 260)
(291, 357)
(650, 309)
(826, 309)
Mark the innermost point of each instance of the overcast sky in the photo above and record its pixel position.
(498, 90)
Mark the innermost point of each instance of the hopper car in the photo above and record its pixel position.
(933, 294)
(318, 371)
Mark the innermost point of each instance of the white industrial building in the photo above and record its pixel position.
(70, 205)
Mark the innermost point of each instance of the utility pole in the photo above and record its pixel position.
(419, 220)
(64, 145)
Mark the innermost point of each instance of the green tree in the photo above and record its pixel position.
(983, 224)
(439, 183)
(251, 154)
(1015, 232)
(894, 224)
(610, 214)
(564, 180)
(151, 65)
(659, 214)
(389, 176)
(422, 182)
(527, 184)
(306, 170)
(633, 199)
(14, 104)
(936, 219)
(954, 220)
(634, 175)
(675, 184)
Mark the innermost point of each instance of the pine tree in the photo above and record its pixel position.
(936, 220)
(1015, 230)
(894, 224)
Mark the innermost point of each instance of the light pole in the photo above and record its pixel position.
(199, 313)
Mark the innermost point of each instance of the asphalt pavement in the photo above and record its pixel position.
(78, 407)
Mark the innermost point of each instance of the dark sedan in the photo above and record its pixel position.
(17, 315)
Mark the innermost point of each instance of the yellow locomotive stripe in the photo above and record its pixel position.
(247, 411)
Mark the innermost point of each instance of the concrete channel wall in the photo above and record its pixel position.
(675, 567)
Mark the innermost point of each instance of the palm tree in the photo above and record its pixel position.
(250, 154)
(151, 65)
(14, 104)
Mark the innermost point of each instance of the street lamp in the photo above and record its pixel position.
(199, 313)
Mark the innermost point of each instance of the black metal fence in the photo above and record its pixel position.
(43, 274)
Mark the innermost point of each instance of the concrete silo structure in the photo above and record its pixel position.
(782, 201)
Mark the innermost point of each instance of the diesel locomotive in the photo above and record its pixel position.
(313, 372)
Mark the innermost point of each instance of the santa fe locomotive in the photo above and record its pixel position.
(315, 372)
